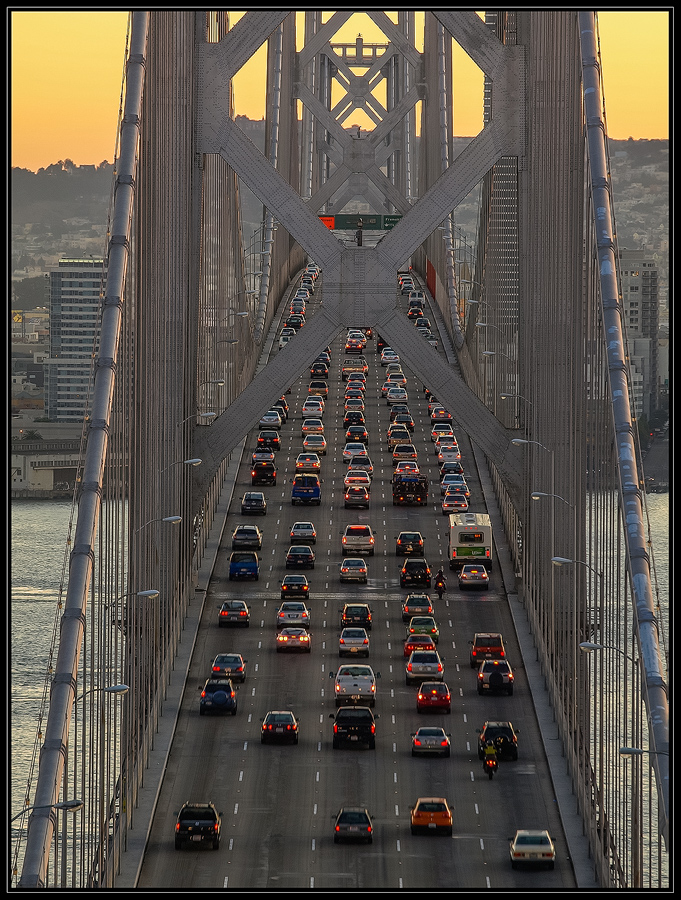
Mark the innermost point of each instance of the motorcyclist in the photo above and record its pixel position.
(489, 762)
(440, 583)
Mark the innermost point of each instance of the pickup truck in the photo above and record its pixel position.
(355, 684)
(198, 823)
(409, 489)
(354, 725)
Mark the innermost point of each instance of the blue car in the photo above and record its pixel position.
(218, 695)
(244, 564)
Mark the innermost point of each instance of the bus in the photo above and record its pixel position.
(470, 539)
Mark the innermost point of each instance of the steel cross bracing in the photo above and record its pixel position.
(360, 283)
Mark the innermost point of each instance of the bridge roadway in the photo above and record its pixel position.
(278, 803)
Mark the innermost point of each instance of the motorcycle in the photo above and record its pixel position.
(490, 765)
(440, 587)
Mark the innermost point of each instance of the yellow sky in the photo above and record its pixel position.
(66, 72)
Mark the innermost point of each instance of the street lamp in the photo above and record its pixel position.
(639, 751)
(182, 462)
(515, 396)
(536, 496)
(203, 415)
(116, 689)
(171, 520)
(218, 381)
(66, 805)
(495, 352)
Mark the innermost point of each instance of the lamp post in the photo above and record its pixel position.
(66, 805)
(171, 520)
(202, 415)
(636, 838)
(183, 462)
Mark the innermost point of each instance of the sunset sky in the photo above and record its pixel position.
(66, 71)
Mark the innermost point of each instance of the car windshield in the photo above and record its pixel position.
(431, 732)
(532, 839)
(355, 671)
(228, 660)
(284, 718)
(293, 607)
(195, 813)
(352, 818)
(431, 806)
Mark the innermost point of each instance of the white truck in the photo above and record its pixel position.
(355, 684)
(470, 540)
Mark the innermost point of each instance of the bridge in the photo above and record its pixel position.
(532, 362)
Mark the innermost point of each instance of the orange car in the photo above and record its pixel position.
(431, 814)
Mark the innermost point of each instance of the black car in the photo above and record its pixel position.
(381, 344)
(354, 725)
(300, 556)
(218, 695)
(279, 725)
(415, 571)
(253, 502)
(229, 665)
(234, 612)
(295, 587)
(247, 537)
(356, 614)
(353, 417)
(503, 736)
(409, 543)
(319, 370)
(198, 823)
(282, 409)
(353, 823)
(264, 473)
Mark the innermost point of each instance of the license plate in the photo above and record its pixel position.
(279, 730)
(354, 737)
(432, 825)
(356, 697)
(354, 649)
(353, 828)
(197, 837)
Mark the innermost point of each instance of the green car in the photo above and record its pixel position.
(423, 625)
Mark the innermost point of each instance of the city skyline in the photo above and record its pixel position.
(44, 130)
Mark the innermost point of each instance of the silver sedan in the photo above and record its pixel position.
(353, 642)
(430, 741)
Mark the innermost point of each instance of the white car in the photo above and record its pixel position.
(355, 684)
(352, 449)
(533, 847)
(396, 395)
(389, 356)
(284, 339)
(313, 409)
(271, 419)
(315, 443)
(358, 539)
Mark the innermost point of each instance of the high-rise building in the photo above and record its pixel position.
(642, 320)
(76, 289)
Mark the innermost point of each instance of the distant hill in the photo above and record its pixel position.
(59, 192)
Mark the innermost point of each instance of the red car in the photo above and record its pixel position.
(434, 695)
(418, 642)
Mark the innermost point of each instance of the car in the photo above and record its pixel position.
(358, 379)
(388, 356)
(423, 625)
(397, 409)
(319, 370)
(308, 462)
(434, 695)
(353, 417)
(234, 612)
(416, 605)
(263, 473)
(357, 497)
(439, 429)
(359, 539)
(300, 556)
(271, 419)
(404, 419)
(440, 414)
(294, 586)
(486, 645)
(416, 296)
(315, 443)
(353, 364)
(295, 320)
(397, 377)
(396, 395)
(357, 476)
(414, 313)
(405, 467)
(353, 569)
(418, 642)
(318, 388)
(452, 479)
(533, 847)
(453, 465)
(198, 823)
(424, 665)
(269, 440)
(453, 502)
(353, 642)
(356, 614)
(399, 435)
(307, 488)
(414, 572)
(248, 537)
(423, 322)
(293, 613)
(353, 823)
(354, 345)
(244, 564)
(229, 665)
(430, 741)
(361, 461)
(448, 452)
(312, 425)
(404, 453)
(291, 640)
(279, 725)
(409, 543)
(262, 456)
(504, 737)
(298, 306)
(312, 409)
(351, 449)
(218, 695)
(355, 684)
(281, 407)
(356, 403)
(431, 815)
(303, 532)
(286, 331)
(495, 675)
(473, 576)
(355, 392)
(354, 725)
(358, 434)
(385, 387)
